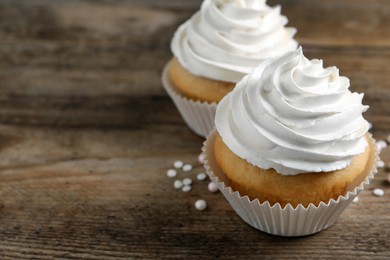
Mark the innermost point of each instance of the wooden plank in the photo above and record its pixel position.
(67, 100)
(340, 23)
(87, 134)
(324, 23)
(84, 58)
(97, 193)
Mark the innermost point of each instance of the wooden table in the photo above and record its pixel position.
(87, 134)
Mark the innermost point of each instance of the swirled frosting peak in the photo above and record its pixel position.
(295, 116)
(227, 38)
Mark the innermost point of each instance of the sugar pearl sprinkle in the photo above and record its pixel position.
(356, 199)
(378, 192)
(381, 144)
(187, 167)
(201, 158)
(177, 184)
(201, 176)
(200, 205)
(178, 164)
(186, 188)
(380, 164)
(171, 173)
(212, 187)
(187, 181)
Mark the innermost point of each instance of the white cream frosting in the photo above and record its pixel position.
(226, 39)
(294, 116)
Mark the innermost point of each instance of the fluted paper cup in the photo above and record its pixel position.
(199, 116)
(274, 219)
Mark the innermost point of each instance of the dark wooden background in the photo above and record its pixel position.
(87, 134)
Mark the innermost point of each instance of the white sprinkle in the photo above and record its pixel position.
(177, 184)
(200, 205)
(369, 125)
(201, 158)
(187, 181)
(178, 164)
(356, 199)
(201, 176)
(378, 192)
(388, 139)
(171, 173)
(187, 167)
(212, 187)
(380, 164)
(186, 188)
(381, 144)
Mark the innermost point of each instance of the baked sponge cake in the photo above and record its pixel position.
(205, 89)
(222, 42)
(291, 132)
(302, 189)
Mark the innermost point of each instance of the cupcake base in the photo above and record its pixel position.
(206, 89)
(199, 116)
(275, 219)
(311, 187)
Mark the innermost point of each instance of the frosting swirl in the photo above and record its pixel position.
(294, 116)
(227, 38)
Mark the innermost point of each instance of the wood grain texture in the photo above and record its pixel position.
(87, 134)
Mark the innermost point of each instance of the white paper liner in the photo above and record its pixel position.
(287, 221)
(199, 116)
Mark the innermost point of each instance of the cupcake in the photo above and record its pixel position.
(218, 46)
(291, 148)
